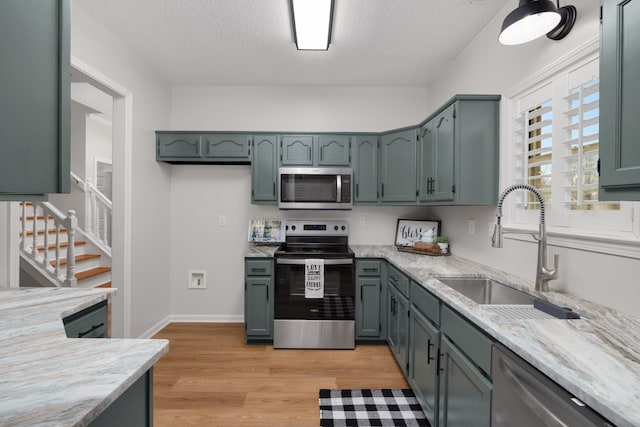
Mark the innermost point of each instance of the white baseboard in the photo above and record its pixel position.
(191, 318)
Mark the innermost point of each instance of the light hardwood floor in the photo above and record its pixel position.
(210, 377)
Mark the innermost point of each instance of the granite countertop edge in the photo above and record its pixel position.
(49, 379)
(596, 358)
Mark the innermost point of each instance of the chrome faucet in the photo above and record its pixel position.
(543, 274)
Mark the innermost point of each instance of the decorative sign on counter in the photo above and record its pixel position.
(410, 231)
(266, 230)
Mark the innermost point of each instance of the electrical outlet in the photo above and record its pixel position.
(471, 225)
(197, 279)
(222, 221)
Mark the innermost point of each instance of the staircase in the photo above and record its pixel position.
(56, 252)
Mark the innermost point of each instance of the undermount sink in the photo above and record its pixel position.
(487, 291)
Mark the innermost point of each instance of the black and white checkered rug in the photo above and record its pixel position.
(370, 407)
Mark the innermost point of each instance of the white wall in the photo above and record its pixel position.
(485, 66)
(101, 50)
(98, 143)
(200, 193)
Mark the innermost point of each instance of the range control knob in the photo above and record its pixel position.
(286, 227)
(293, 227)
(335, 227)
(344, 228)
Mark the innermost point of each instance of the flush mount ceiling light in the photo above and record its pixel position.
(535, 18)
(312, 23)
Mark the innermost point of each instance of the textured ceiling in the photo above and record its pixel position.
(250, 42)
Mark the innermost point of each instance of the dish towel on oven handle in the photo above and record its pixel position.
(314, 278)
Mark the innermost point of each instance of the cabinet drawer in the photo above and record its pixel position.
(399, 280)
(259, 267)
(88, 323)
(470, 340)
(368, 268)
(424, 301)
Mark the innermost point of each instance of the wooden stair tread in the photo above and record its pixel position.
(92, 272)
(79, 258)
(104, 285)
(62, 245)
(41, 232)
(40, 217)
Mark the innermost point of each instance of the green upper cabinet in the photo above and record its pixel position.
(174, 146)
(264, 169)
(35, 93)
(226, 147)
(334, 150)
(436, 158)
(398, 167)
(315, 150)
(620, 100)
(202, 147)
(459, 152)
(365, 169)
(297, 150)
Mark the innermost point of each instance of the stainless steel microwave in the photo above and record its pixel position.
(315, 188)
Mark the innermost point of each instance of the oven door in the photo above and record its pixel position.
(339, 291)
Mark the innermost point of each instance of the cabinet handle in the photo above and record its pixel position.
(357, 190)
(309, 150)
(429, 345)
(360, 293)
(440, 368)
(91, 329)
(321, 153)
(383, 189)
(274, 188)
(373, 269)
(258, 270)
(267, 293)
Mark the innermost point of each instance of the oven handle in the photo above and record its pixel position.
(297, 261)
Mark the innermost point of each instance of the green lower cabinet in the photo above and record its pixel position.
(465, 393)
(92, 322)
(398, 328)
(258, 299)
(368, 325)
(134, 407)
(424, 345)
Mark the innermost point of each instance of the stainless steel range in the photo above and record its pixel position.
(315, 287)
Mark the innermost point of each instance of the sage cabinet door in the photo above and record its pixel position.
(35, 94)
(178, 146)
(368, 304)
(436, 158)
(296, 150)
(423, 361)
(226, 147)
(264, 169)
(398, 327)
(620, 100)
(465, 393)
(258, 297)
(334, 150)
(365, 169)
(398, 167)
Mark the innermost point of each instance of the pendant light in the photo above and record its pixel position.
(535, 18)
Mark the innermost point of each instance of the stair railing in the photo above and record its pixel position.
(98, 212)
(61, 224)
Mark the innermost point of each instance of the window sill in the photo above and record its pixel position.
(619, 244)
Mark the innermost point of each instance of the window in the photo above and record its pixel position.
(553, 145)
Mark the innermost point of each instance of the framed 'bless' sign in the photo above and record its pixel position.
(409, 231)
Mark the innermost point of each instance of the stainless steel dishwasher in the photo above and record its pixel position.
(524, 397)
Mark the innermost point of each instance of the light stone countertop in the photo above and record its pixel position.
(596, 358)
(47, 379)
